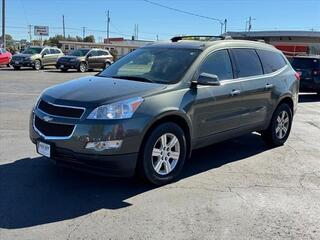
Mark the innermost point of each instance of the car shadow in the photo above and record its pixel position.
(307, 97)
(34, 191)
(69, 71)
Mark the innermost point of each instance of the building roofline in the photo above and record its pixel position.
(310, 34)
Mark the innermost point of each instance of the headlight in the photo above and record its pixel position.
(119, 110)
(27, 58)
(73, 60)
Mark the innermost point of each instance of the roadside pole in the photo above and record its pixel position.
(3, 23)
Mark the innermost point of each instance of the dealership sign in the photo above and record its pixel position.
(41, 30)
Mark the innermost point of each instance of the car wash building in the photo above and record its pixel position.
(291, 43)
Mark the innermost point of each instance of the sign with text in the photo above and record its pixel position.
(41, 30)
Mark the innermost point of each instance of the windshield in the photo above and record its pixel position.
(305, 63)
(78, 52)
(160, 65)
(32, 50)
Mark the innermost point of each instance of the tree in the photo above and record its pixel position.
(89, 38)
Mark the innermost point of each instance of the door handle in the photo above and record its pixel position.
(235, 92)
(268, 86)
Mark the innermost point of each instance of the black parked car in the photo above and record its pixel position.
(146, 112)
(309, 69)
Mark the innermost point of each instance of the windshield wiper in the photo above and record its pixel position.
(135, 78)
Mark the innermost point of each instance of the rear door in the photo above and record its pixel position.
(217, 109)
(256, 90)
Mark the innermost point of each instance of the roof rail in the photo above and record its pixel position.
(199, 38)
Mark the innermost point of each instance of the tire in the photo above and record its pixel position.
(8, 65)
(159, 165)
(64, 69)
(107, 64)
(37, 65)
(279, 127)
(16, 68)
(82, 67)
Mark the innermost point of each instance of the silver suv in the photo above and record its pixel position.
(36, 57)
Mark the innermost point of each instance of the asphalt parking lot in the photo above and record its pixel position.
(238, 189)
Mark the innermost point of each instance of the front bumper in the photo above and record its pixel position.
(68, 65)
(23, 63)
(70, 151)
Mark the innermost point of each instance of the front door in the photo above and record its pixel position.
(217, 109)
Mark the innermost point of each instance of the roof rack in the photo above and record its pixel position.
(199, 38)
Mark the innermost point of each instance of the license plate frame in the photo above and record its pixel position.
(44, 149)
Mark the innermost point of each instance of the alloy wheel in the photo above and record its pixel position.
(165, 154)
(282, 125)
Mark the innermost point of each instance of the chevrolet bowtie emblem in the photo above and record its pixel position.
(47, 118)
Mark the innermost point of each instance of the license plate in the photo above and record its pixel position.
(44, 149)
(61, 66)
(16, 62)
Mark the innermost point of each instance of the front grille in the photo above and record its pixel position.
(53, 129)
(18, 59)
(62, 111)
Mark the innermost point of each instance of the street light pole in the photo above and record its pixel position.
(3, 23)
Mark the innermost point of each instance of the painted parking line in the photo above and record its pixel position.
(19, 94)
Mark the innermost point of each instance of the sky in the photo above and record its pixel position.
(155, 20)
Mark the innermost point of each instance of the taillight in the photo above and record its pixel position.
(297, 75)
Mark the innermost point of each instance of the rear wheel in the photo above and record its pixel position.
(280, 126)
(163, 154)
(82, 67)
(37, 65)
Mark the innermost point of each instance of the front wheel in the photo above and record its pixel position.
(163, 154)
(82, 67)
(37, 65)
(107, 64)
(16, 67)
(280, 126)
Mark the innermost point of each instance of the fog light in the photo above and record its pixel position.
(104, 145)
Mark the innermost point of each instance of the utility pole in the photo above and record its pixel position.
(63, 27)
(83, 33)
(250, 25)
(30, 33)
(157, 37)
(3, 23)
(225, 25)
(108, 25)
(137, 36)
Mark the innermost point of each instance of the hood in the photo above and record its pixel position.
(67, 57)
(93, 91)
(21, 55)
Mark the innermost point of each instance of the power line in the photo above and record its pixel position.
(183, 11)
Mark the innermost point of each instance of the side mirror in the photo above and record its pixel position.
(208, 79)
(43, 54)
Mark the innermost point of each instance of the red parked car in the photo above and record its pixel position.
(5, 57)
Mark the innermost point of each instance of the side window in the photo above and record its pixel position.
(46, 51)
(247, 61)
(102, 53)
(52, 51)
(271, 61)
(93, 53)
(218, 63)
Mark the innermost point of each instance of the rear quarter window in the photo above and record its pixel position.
(247, 62)
(271, 61)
